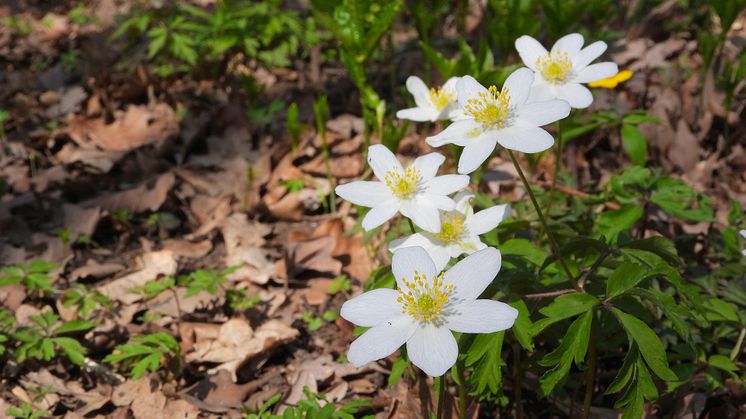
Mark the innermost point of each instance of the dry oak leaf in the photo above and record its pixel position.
(242, 246)
(137, 126)
(152, 265)
(313, 254)
(148, 196)
(237, 343)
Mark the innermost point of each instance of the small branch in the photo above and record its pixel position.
(550, 294)
(590, 377)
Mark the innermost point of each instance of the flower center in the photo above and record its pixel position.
(490, 109)
(554, 67)
(440, 98)
(424, 301)
(403, 185)
(451, 227)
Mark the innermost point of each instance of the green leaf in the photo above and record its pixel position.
(677, 198)
(397, 369)
(624, 278)
(719, 310)
(650, 345)
(72, 348)
(563, 307)
(523, 326)
(74, 326)
(661, 246)
(573, 347)
(485, 358)
(634, 144)
(724, 363)
(149, 362)
(625, 372)
(611, 223)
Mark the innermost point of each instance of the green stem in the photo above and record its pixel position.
(737, 349)
(518, 375)
(550, 235)
(462, 397)
(590, 377)
(411, 225)
(441, 397)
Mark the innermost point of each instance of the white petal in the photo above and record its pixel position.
(382, 160)
(481, 316)
(419, 91)
(743, 233)
(423, 214)
(543, 113)
(487, 219)
(440, 202)
(596, 72)
(381, 341)
(541, 91)
(577, 95)
(407, 260)
(365, 193)
(570, 44)
(371, 308)
(468, 88)
(418, 114)
(476, 153)
(428, 165)
(519, 84)
(433, 349)
(450, 84)
(525, 139)
(463, 201)
(440, 255)
(417, 239)
(459, 132)
(446, 184)
(380, 214)
(530, 50)
(470, 245)
(472, 274)
(588, 54)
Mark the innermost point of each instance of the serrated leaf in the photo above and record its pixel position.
(523, 325)
(397, 369)
(649, 343)
(625, 372)
(724, 363)
(624, 278)
(77, 325)
(573, 347)
(563, 307)
(612, 223)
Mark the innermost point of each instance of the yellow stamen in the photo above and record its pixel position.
(441, 98)
(424, 301)
(403, 185)
(490, 109)
(613, 81)
(451, 227)
(554, 67)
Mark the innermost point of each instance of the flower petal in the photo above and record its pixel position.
(423, 214)
(526, 139)
(418, 114)
(530, 50)
(381, 341)
(446, 184)
(417, 239)
(487, 219)
(577, 95)
(433, 349)
(476, 153)
(382, 160)
(519, 84)
(541, 91)
(469, 88)
(371, 308)
(380, 214)
(543, 113)
(407, 260)
(419, 91)
(473, 273)
(481, 316)
(588, 54)
(440, 202)
(460, 132)
(365, 193)
(596, 72)
(463, 201)
(450, 84)
(428, 165)
(570, 44)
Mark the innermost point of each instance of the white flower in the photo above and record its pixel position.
(459, 231)
(562, 70)
(425, 308)
(415, 191)
(743, 234)
(432, 104)
(499, 116)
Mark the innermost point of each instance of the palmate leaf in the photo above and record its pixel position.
(485, 357)
(564, 307)
(649, 343)
(573, 347)
(145, 353)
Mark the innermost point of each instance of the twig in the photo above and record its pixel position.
(550, 294)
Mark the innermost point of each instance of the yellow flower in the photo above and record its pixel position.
(612, 81)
